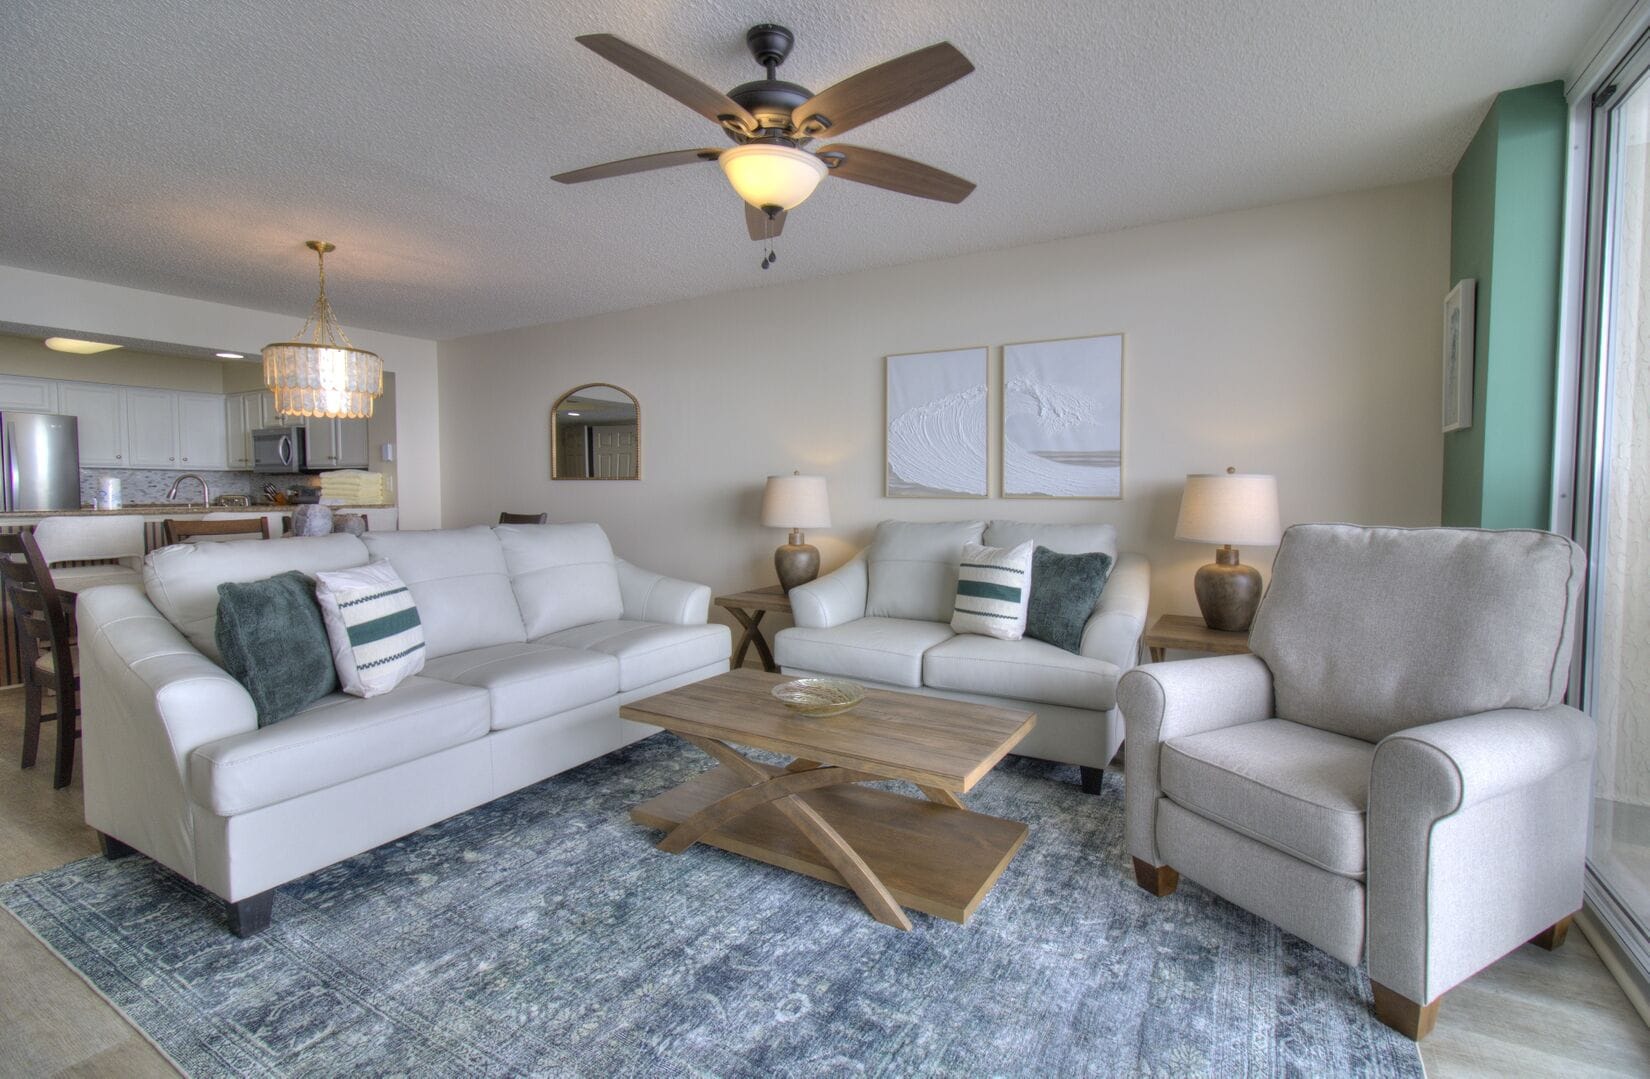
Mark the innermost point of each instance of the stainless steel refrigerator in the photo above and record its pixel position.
(40, 458)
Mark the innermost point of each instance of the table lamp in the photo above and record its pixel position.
(796, 502)
(1229, 509)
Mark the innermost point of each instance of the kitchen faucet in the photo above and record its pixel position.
(206, 492)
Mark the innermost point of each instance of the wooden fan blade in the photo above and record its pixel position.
(646, 163)
(880, 90)
(893, 173)
(757, 222)
(705, 100)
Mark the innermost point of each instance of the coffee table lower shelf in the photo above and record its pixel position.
(933, 858)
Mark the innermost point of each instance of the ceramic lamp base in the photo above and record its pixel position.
(796, 562)
(1228, 592)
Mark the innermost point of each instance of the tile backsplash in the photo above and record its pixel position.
(151, 485)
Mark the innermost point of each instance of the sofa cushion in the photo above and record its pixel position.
(1022, 670)
(1065, 592)
(337, 739)
(458, 579)
(912, 568)
(182, 580)
(525, 682)
(887, 650)
(1369, 631)
(274, 643)
(1065, 539)
(1299, 789)
(993, 590)
(649, 651)
(563, 575)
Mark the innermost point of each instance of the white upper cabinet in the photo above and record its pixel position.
(102, 421)
(240, 417)
(267, 416)
(202, 434)
(335, 443)
(151, 428)
(27, 394)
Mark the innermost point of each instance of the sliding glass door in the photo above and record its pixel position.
(1612, 503)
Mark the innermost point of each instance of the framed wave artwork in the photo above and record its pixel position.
(1063, 418)
(937, 424)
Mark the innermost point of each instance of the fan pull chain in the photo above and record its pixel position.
(767, 235)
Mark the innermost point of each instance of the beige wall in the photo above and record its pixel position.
(1299, 339)
(94, 308)
(121, 367)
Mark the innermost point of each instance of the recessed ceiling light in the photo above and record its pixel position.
(74, 344)
(230, 355)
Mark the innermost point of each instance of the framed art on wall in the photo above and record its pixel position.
(1458, 359)
(936, 408)
(1063, 418)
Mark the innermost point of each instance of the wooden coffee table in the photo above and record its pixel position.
(814, 817)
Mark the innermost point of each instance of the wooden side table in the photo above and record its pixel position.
(1187, 632)
(747, 608)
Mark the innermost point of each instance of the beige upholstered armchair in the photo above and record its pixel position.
(1390, 776)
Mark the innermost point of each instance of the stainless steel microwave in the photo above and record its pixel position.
(278, 449)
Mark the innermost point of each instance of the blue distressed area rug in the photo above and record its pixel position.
(544, 935)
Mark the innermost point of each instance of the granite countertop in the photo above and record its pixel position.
(179, 509)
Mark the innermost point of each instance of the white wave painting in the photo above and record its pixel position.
(937, 424)
(1063, 418)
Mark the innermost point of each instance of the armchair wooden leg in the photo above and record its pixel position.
(1159, 880)
(1414, 1021)
(1093, 779)
(251, 915)
(112, 847)
(1552, 937)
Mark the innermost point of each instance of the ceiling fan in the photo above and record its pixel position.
(771, 121)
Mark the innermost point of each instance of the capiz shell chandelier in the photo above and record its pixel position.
(321, 373)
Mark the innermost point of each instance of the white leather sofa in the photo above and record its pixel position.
(535, 634)
(884, 619)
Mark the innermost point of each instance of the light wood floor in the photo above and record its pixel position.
(1534, 1013)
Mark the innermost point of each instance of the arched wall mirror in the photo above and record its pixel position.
(596, 434)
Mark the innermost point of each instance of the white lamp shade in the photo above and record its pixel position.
(767, 175)
(796, 502)
(1237, 509)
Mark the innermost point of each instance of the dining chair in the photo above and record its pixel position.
(86, 551)
(184, 530)
(49, 660)
(522, 518)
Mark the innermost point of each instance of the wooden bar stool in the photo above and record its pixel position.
(522, 518)
(180, 531)
(49, 660)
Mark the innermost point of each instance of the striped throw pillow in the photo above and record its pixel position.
(993, 588)
(372, 624)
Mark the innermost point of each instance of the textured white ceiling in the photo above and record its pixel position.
(190, 147)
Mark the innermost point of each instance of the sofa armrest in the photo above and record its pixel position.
(148, 699)
(832, 600)
(1113, 630)
(1477, 839)
(1161, 701)
(653, 597)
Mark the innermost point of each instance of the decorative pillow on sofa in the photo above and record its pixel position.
(993, 589)
(372, 622)
(273, 642)
(1064, 590)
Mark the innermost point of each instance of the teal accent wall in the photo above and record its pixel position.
(1507, 202)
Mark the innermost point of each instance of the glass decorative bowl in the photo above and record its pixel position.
(818, 698)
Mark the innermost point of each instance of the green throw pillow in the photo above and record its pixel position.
(273, 641)
(1064, 590)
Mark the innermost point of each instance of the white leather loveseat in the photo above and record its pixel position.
(884, 619)
(535, 635)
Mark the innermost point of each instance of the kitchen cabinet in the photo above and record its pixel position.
(151, 428)
(28, 394)
(335, 443)
(201, 431)
(101, 412)
(237, 431)
(265, 405)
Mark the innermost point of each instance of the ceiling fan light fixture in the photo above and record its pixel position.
(770, 175)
